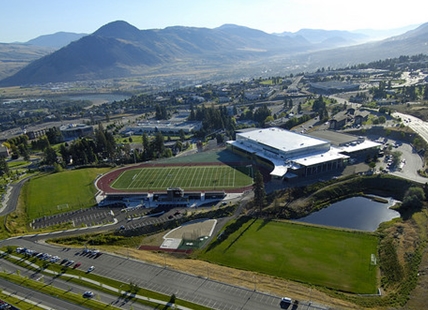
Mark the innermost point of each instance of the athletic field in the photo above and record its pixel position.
(199, 177)
(330, 258)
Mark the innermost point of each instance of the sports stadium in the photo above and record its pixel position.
(278, 153)
(185, 180)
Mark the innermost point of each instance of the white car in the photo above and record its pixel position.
(286, 300)
(90, 269)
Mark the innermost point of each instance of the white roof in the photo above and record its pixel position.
(281, 139)
(315, 159)
(281, 167)
(366, 144)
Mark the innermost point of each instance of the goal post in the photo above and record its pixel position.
(62, 206)
(373, 260)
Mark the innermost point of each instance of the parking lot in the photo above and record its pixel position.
(83, 217)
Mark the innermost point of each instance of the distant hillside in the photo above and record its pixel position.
(328, 38)
(56, 40)
(380, 34)
(119, 49)
(410, 43)
(15, 56)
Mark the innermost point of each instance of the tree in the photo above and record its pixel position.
(382, 119)
(50, 156)
(157, 145)
(54, 135)
(23, 150)
(425, 96)
(413, 198)
(261, 114)
(182, 135)
(4, 168)
(259, 191)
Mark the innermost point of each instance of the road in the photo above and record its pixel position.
(11, 201)
(32, 296)
(160, 278)
(416, 124)
(54, 302)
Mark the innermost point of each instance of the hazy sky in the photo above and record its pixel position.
(22, 20)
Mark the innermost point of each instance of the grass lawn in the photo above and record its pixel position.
(315, 255)
(187, 177)
(75, 188)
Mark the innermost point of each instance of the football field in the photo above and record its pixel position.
(210, 177)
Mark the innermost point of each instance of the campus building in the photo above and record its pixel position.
(165, 127)
(292, 154)
(74, 131)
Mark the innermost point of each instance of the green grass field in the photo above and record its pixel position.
(74, 188)
(187, 177)
(326, 257)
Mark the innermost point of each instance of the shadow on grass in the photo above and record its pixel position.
(228, 231)
(263, 224)
(239, 236)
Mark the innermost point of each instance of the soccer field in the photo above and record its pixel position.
(326, 257)
(218, 177)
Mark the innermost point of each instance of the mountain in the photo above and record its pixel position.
(119, 49)
(328, 38)
(14, 56)
(381, 34)
(56, 40)
(412, 42)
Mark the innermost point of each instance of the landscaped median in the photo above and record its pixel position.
(91, 281)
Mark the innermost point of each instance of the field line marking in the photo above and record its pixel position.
(188, 174)
(194, 177)
(165, 177)
(137, 176)
(201, 177)
(234, 178)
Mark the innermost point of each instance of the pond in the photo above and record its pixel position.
(354, 213)
(97, 98)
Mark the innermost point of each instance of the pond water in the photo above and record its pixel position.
(97, 98)
(354, 213)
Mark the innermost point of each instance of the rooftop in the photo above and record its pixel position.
(281, 139)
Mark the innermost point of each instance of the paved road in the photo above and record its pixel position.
(11, 197)
(160, 278)
(53, 302)
(35, 297)
(416, 124)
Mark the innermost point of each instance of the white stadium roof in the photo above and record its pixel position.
(281, 139)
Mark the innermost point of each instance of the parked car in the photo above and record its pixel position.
(88, 294)
(77, 265)
(90, 269)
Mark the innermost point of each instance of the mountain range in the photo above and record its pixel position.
(119, 49)
(56, 40)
